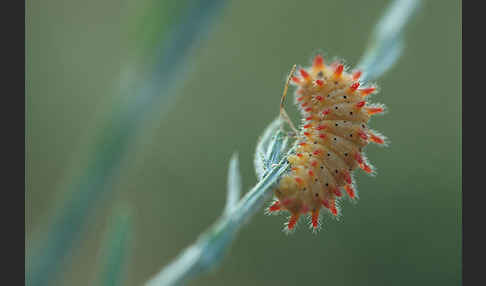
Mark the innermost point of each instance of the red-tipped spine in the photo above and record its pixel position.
(292, 221)
(357, 75)
(304, 74)
(339, 70)
(325, 203)
(347, 177)
(374, 110)
(337, 192)
(315, 218)
(354, 86)
(275, 207)
(332, 207)
(366, 91)
(376, 139)
(360, 104)
(350, 191)
(366, 168)
(318, 62)
(362, 134)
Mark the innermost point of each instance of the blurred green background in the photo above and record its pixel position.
(406, 228)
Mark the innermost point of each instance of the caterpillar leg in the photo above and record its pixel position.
(283, 113)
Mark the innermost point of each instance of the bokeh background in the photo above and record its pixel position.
(406, 228)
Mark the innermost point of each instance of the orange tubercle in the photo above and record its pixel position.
(325, 203)
(366, 168)
(376, 139)
(363, 135)
(332, 207)
(357, 75)
(366, 91)
(354, 86)
(360, 104)
(315, 218)
(374, 110)
(350, 191)
(304, 74)
(339, 70)
(275, 207)
(337, 192)
(318, 62)
(292, 221)
(347, 177)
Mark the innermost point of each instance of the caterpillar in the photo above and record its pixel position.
(329, 143)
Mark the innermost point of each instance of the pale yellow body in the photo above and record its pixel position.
(330, 142)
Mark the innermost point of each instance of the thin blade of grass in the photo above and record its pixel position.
(386, 42)
(91, 187)
(115, 247)
(207, 252)
(234, 184)
(261, 164)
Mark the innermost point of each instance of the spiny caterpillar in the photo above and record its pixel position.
(330, 141)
